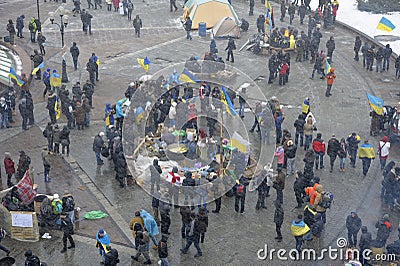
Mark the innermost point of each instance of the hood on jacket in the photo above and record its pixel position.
(364, 229)
(320, 189)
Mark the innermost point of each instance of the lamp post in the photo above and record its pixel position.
(63, 24)
(38, 11)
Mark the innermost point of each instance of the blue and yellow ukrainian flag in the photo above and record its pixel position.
(187, 77)
(36, 69)
(57, 108)
(327, 67)
(375, 103)
(385, 25)
(15, 77)
(144, 63)
(268, 14)
(228, 103)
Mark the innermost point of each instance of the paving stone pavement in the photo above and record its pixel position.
(231, 239)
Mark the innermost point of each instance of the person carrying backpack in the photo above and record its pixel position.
(56, 205)
(31, 260)
(67, 227)
(193, 237)
(112, 257)
(130, 9)
(320, 203)
(240, 195)
(11, 31)
(68, 205)
(33, 29)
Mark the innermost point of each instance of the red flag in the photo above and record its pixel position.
(25, 189)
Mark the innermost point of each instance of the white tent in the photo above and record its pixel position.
(226, 28)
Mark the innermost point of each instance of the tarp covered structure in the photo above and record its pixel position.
(225, 28)
(208, 11)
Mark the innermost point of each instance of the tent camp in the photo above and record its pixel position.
(208, 11)
(225, 28)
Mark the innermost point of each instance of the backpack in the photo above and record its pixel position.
(58, 208)
(327, 199)
(240, 190)
(68, 204)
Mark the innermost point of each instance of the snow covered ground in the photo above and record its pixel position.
(366, 22)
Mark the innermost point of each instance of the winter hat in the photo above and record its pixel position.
(101, 134)
(101, 231)
(28, 253)
(384, 138)
(386, 217)
(319, 135)
(137, 213)
(353, 213)
(48, 70)
(56, 196)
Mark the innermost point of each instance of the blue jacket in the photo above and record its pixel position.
(107, 111)
(149, 223)
(118, 109)
(278, 122)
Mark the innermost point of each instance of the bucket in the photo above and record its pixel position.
(202, 29)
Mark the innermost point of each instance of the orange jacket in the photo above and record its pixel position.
(329, 78)
(310, 192)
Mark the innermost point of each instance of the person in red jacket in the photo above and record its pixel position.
(318, 146)
(9, 167)
(283, 69)
(330, 77)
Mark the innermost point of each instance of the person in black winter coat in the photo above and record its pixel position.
(111, 257)
(231, 46)
(386, 58)
(299, 125)
(353, 225)
(384, 229)
(309, 159)
(260, 24)
(163, 250)
(23, 112)
(37, 60)
(202, 219)
(98, 144)
(240, 194)
(29, 108)
(165, 208)
(188, 188)
(51, 101)
(91, 67)
(365, 242)
(68, 229)
(20, 25)
(318, 226)
(155, 171)
(263, 190)
(357, 47)
(64, 137)
(283, 10)
(333, 150)
(188, 27)
(185, 215)
(121, 169)
(330, 45)
(278, 220)
(298, 188)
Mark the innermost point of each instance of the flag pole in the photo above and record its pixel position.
(220, 140)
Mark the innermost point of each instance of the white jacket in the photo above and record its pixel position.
(384, 148)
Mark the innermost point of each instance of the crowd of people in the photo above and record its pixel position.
(174, 110)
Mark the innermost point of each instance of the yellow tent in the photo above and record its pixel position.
(208, 11)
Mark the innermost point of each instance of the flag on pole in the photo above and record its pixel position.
(188, 77)
(228, 103)
(36, 69)
(144, 63)
(327, 67)
(269, 19)
(385, 25)
(25, 189)
(15, 77)
(375, 103)
(57, 108)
